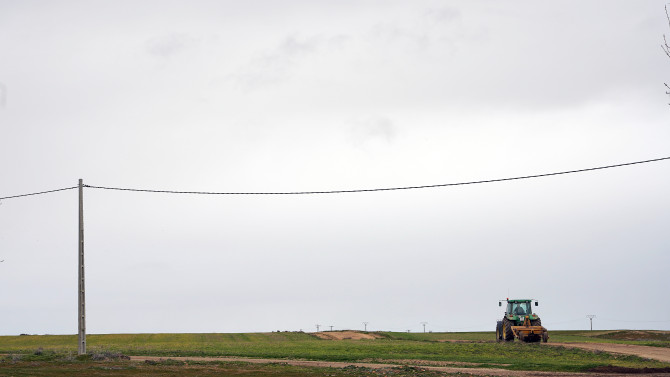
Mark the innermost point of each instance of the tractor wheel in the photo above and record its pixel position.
(545, 337)
(508, 334)
(499, 333)
(536, 322)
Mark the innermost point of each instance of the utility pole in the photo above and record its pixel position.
(317, 328)
(424, 326)
(331, 327)
(591, 317)
(366, 326)
(81, 290)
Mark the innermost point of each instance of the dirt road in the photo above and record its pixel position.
(656, 353)
(417, 364)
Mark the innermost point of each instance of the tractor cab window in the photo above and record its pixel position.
(521, 308)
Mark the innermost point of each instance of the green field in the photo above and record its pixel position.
(477, 349)
(648, 338)
(47, 367)
(195, 369)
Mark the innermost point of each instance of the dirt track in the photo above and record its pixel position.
(656, 353)
(416, 363)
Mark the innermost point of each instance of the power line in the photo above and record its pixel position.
(38, 193)
(623, 320)
(561, 322)
(378, 189)
(344, 191)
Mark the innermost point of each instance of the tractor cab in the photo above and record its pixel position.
(518, 309)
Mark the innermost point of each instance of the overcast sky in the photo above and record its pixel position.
(329, 95)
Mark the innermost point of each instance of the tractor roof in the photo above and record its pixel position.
(519, 300)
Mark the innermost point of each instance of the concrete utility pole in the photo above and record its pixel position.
(591, 317)
(81, 290)
(366, 326)
(317, 328)
(331, 327)
(424, 326)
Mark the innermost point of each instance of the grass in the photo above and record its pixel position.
(480, 349)
(482, 336)
(648, 338)
(178, 368)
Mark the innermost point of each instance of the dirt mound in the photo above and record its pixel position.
(613, 369)
(348, 334)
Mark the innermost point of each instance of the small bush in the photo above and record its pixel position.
(84, 357)
(165, 362)
(109, 356)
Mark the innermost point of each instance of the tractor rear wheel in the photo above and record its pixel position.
(536, 322)
(508, 334)
(499, 333)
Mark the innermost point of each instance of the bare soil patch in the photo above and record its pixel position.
(656, 353)
(348, 334)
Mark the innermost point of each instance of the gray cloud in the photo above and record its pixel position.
(444, 14)
(278, 64)
(403, 36)
(435, 27)
(293, 46)
(379, 129)
(170, 45)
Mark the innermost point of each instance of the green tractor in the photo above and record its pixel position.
(520, 322)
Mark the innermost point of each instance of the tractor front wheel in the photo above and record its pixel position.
(508, 334)
(499, 333)
(536, 322)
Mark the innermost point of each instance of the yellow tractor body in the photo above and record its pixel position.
(529, 333)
